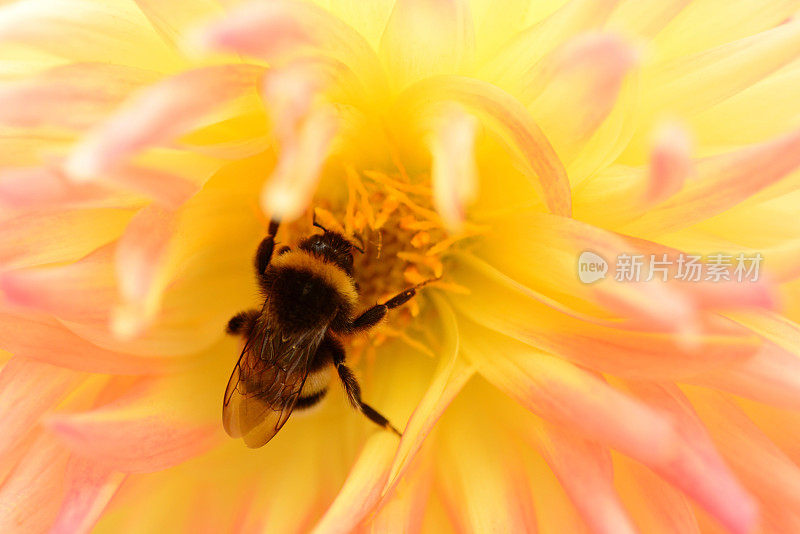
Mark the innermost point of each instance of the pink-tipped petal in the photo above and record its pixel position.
(771, 376)
(522, 54)
(722, 182)
(46, 340)
(563, 393)
(30, 496)
(89, 488)
(427, 37)
(144, 431)
(157, 115)
(670, 162)
(362, 489)
(167, 188)
(82, 291)
(507, 118)
(171, 20)
(71, 96)
(453, 171)
(574, 91)
(766, 471)
(282, 30)
(586, 474)
(140, 256)
(695, 466)
(27, 390)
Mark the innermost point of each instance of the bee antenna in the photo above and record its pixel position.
(318, 225)
(360, 247)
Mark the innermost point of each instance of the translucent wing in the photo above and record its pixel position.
(266, 382)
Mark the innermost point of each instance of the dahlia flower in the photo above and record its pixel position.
(487, 145)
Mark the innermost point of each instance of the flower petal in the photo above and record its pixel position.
(89, 487)
(696, 467)
(424, 38)
(172, 20)
(362, 489)
(509, 119)
(74, 96)
(46, 187)
(515, 61)
(143, 431)
(575, 89)
(453, 170)
(27, 390)
(140, 256)
(670, 162)
(722, 182)
(563, 393)
(103, 32)
(46, 340)
(518, 312)
(31, 494)
(762, 467)
(160, 113)
(584, 470)
(697, 82)
(449, 378)
(53, 236)
(82, 291)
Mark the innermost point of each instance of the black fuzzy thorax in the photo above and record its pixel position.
(300, 299)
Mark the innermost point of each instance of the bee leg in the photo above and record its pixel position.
(264, 253)
(373, 316)
(242, 322)
(353, 390)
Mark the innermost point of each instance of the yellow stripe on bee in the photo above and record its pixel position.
(332, 274)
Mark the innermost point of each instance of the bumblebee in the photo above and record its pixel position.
(310, 299)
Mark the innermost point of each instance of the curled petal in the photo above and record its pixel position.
(453, 171)
(509, 119)
(158, 114)
(427, 37)
(143, 431)
(27, 390)
(561, 392)
(140, 256)
(449, 378)
(89, 489)
(362, 489)
(405, 509)
(584, 470)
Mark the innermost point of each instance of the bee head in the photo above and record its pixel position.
(332, 247)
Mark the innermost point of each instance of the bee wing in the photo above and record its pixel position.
(266, 383)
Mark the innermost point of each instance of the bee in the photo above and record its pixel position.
(310, 299)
